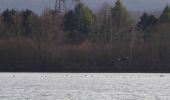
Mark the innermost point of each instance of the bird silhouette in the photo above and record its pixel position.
(123, 59)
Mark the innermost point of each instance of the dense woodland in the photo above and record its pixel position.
(80, 40)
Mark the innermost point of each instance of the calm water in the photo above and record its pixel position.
(67, 86)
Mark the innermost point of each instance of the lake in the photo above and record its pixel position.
(84, 86)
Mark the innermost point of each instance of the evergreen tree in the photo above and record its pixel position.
(26, 17)
(146, 22)
(146, 25)
(12, 22)
(121, 21)
(163, 30)
(79, 22)
(8, 16)
(165, 16)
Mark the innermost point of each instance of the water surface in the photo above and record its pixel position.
(68, 86)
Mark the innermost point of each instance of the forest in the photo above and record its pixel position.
(80, 40)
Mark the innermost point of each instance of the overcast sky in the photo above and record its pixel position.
(39, 5)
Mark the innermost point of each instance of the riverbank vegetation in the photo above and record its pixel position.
(80, 40)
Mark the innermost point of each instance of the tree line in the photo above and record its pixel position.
(80, 40)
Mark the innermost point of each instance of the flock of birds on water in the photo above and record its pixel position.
(86, 76)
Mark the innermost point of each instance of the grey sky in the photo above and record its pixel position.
(39, 5)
